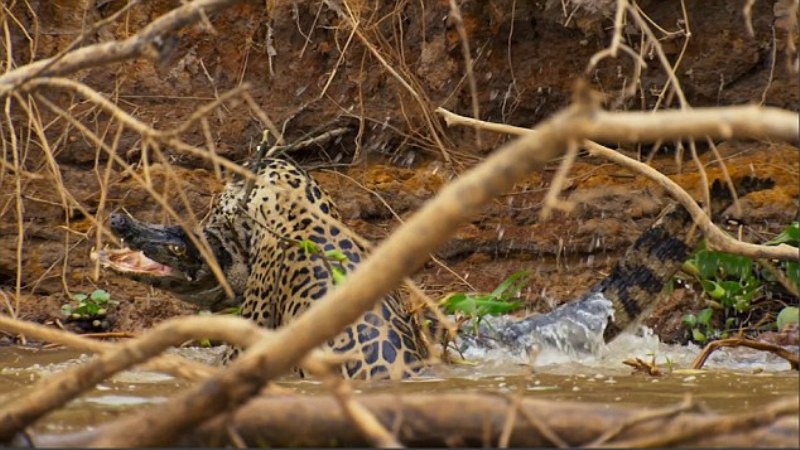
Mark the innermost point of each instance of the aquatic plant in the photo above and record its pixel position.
(503, 300)
(92, 307)
(731, 284)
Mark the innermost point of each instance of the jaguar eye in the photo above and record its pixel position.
(177, 250)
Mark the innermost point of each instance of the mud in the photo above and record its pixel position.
(527, 57)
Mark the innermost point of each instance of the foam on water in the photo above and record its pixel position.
(568, 339)
(120, 400)
(573, 335)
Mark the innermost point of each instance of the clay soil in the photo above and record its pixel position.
(527, 57)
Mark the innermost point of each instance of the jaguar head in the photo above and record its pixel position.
(165, 257)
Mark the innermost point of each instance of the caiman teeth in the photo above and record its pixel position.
(129, 261)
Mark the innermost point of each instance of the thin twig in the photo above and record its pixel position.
(792, 358)
(407, 248)
(57, 390)
(455, 13)
(724, 425)
(508, 424)
(716, 237)
(360, 416)
(116, 51)
(50, 62)
(173, 365)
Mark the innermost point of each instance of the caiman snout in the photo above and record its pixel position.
(119, 222)
(139, 234)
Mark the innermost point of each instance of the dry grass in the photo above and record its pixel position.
(44, 105)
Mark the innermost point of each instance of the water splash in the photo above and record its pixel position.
(571, 337)
(573, 329)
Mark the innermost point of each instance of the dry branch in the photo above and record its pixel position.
(717, 238)
(470, 420)
(54, 392)
(455, 14)
(147, 41)
(637, 127)
(174, 365)
(407, 249)
(792, 358)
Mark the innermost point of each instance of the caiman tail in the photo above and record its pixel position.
(626, 294)
(650, 262)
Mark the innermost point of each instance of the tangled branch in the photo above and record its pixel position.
(148, 42)
(718, 239)
(406, 249)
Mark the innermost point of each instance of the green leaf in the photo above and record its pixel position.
(711, 264)
(100, 296)
(789, 314)
(735, 266)
(512, 285)
(460, 303)
(792, 269)
(732, 287)
(336, 255)
(713, 289)
(690, 267)
(741, 304)
(491, 307)
(707, 263)
(704, 316)
(91, 309)
(309, 247)
(449, 302)
(698, 335)
(79, 297)
(690, 320)
(748, 295)
(338, 274)
(791, 236)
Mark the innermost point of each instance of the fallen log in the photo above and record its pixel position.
(476, 420)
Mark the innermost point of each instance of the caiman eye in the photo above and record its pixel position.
(177, 250)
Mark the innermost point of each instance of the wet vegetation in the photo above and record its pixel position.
(416, 118)
(744, 297)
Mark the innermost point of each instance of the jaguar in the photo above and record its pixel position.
(273, 240)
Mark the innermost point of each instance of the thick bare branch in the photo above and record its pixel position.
(175, 365)
(717, 238)
(148, 39)
(471, 420)
(723, 122)
(63, 387)
(407, 249)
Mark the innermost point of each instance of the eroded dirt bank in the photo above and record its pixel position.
(527, 56)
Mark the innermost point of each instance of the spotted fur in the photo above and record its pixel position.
(287, 206)
(256, 241)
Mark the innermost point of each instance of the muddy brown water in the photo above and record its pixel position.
(735, 380)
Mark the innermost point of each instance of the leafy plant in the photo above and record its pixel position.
(731, 284)
(86, 307)
(789, 236)
(476, 306)
(333, 259)
(701, 326)
(789, 314)
(726, 278)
